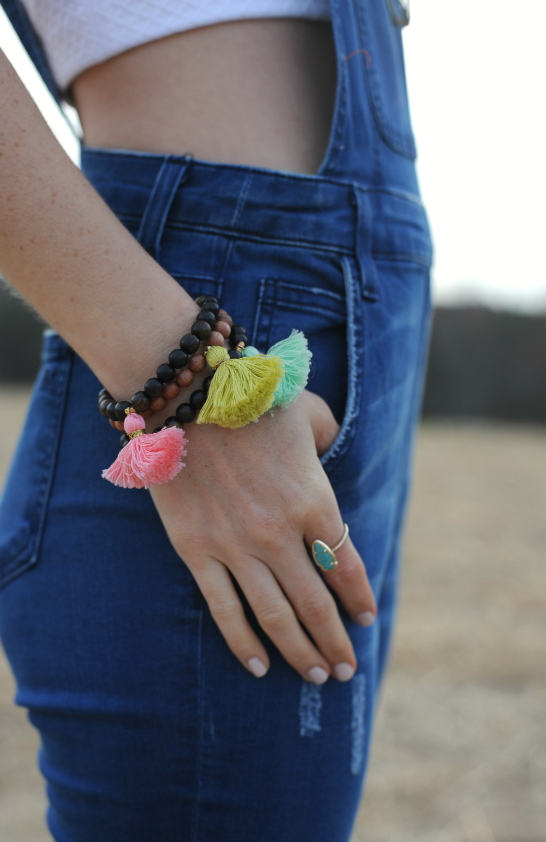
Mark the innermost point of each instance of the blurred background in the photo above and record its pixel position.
(459, 753)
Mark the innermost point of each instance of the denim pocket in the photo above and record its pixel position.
(24, 503)
(331, 323)
(385, 76)
(354, 332)
(394, 352)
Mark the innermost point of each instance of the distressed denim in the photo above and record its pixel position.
(150, 728)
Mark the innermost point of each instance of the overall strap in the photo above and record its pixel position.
(371, 140)
(31, 42)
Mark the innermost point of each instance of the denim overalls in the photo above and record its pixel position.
(151, 730)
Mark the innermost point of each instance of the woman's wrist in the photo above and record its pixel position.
(135, 357)
(243, 386)
(183, 375)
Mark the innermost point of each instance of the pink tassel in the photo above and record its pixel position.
(147, 459)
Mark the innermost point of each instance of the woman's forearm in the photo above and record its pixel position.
(73, 261)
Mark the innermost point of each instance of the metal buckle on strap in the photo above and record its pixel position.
(400, 12)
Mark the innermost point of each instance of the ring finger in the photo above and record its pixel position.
(318, 612)
(349, 578)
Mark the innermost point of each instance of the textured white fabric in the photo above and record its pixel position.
(77, 34)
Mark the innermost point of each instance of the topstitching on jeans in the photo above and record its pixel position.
(241, 200)
(24, 552)
(241, 234)
(306, 290)
(398, 135)
(354, 372)
(276, 296)
(153, 220)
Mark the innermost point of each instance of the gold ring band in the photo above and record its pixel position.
(325, 556)
(343, 538)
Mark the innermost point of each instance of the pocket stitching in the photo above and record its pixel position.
(354, 354)
(311, 308)
(340, 447)
(305, 290)
(27, 556)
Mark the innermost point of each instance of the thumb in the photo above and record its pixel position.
(323, 424)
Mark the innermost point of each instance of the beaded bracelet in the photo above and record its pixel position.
(166, 384)
(246, 384)
(158, 390)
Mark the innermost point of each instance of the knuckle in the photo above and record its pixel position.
(274, 615)
(315, 608)
(349, 573)
(224, 607)
(321, 500)
(270, 528)
(319, 493)
(190, 551)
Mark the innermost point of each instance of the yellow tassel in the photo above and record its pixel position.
(241, 390)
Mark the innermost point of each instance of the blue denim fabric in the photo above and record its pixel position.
(151, 730)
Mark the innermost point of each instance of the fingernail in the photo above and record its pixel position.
(344, 672)
(365, 619)
(257, 667)
(318, 675)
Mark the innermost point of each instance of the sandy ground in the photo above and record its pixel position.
(460, 747)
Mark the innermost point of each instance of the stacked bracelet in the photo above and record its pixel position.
(212, 325)
(245, 385)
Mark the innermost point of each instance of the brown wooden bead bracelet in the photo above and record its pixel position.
(213, 325)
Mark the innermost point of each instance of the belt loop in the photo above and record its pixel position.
(172, 173)
(364, 244)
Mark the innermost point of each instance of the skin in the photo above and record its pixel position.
(250, 92)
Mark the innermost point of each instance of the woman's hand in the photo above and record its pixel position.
(245, 504)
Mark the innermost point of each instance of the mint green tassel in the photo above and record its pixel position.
(296, 357)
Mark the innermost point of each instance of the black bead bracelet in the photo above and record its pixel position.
(166, 373)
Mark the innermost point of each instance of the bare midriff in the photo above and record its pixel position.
(259, 93)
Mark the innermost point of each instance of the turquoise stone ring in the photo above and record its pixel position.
(325, 556)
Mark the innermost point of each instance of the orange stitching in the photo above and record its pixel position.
(355, 52)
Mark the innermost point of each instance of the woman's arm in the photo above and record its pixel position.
(67, 254)
(73, 261)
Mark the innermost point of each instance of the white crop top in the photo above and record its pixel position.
(77, 34)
